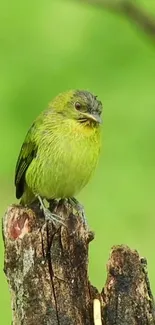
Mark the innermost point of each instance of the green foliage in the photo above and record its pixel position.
(51, 46)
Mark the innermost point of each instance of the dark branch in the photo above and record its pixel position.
(144, 20)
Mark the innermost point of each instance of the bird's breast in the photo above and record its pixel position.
(65, 163)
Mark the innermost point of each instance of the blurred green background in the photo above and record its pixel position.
(50, 46)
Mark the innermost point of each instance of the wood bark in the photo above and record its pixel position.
(47, 272)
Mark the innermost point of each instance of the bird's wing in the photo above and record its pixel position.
(27, 153)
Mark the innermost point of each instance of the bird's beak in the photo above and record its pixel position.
(93, 117)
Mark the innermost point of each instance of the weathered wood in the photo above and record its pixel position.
(127, 294)
(47, 271)
(47, 268)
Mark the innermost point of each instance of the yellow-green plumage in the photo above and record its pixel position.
(61, 149)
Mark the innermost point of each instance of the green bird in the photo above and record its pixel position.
(61, 149)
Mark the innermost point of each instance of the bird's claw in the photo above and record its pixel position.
(78, 207)
(54, 218)
(49, 216)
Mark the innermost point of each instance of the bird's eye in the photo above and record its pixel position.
(77, 105)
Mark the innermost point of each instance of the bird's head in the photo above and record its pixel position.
(79, 105)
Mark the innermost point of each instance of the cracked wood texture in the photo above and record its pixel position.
(47, 272)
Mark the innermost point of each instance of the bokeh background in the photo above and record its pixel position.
(50, 46)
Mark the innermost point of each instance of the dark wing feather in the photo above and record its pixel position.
(27, 153)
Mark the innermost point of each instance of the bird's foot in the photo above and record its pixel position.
(55, 218)
(49, 216)
(78, 207)
(76, 204)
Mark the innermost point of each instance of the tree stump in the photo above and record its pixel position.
(47, 272)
